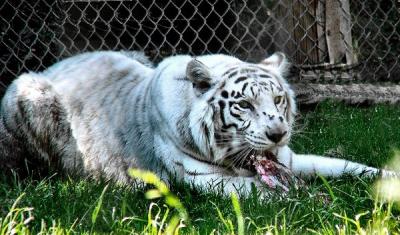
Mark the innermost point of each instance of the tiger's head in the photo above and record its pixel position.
(252, 105)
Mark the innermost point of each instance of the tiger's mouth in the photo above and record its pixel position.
(251, 160)
(273, 174)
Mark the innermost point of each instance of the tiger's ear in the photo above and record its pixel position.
(278, 62)
(199, 75)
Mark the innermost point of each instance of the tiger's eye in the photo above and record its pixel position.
(245, 105)
(278, 99)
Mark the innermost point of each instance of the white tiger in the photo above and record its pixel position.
(198, 119)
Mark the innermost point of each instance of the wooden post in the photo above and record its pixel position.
(284, 40)
(345, 28)
(336, 48)
(305, 31)
(321, 33)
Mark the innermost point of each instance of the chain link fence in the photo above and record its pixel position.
(334, 45)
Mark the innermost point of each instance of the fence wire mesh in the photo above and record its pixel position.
(328, 41)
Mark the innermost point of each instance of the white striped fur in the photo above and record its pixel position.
(100, 113)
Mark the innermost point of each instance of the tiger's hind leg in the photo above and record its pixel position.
(10, 147)
(33, 127)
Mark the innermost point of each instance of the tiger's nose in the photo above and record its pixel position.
(276, 137)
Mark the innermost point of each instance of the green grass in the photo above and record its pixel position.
(339, 206)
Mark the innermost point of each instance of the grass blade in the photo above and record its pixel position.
(328, 187)
(96, 210)
(238, 212)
